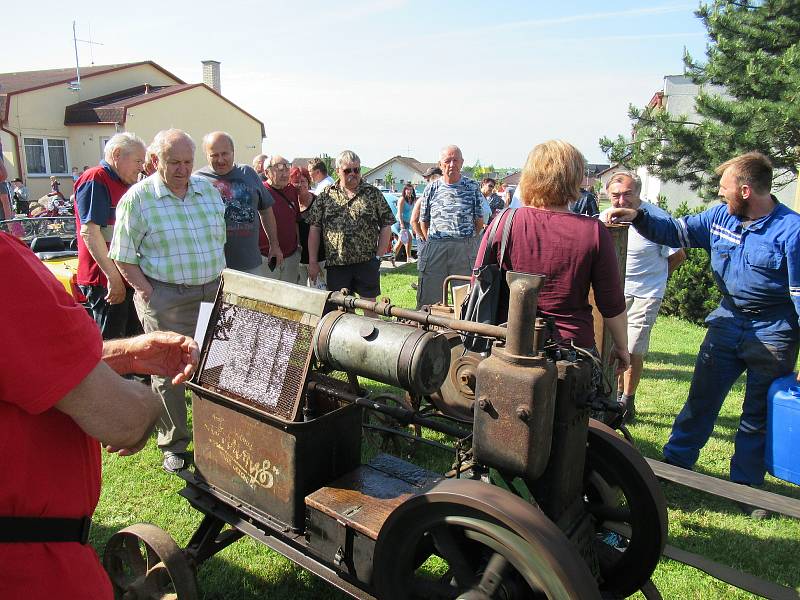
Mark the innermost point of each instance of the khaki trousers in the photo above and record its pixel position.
(173, 307)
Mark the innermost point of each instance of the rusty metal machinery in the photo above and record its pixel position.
(278, 436)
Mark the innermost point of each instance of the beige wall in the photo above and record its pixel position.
(40, 113)
(197, 111)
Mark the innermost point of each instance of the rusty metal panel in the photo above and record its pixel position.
(561, 484)
(513, 425)
(258, 348)
(270, 465)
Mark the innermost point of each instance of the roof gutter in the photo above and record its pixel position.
(17, 147)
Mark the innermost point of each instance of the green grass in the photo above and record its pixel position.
(135, 489)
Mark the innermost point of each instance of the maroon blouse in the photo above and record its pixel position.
(572, 252)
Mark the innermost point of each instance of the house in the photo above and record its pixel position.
(50, 123)
(592, 175)
(403, 169)
(678, 98)
(512, 179)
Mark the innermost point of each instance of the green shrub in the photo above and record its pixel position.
(691, 292)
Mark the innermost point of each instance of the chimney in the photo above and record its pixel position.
(211, 75)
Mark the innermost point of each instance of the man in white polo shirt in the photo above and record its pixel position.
(647, 268)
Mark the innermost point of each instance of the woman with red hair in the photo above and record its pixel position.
(300, 179)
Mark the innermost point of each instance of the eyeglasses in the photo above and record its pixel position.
(281, 167)
(353, 170)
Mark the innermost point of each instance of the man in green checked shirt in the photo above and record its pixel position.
(168, 243)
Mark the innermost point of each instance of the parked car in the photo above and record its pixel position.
(53, 240)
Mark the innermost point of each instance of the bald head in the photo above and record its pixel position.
(451, 160)
(278, 171)
(218, 147)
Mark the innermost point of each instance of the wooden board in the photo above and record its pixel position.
(364, 498)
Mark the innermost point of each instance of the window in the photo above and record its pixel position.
(46, 156)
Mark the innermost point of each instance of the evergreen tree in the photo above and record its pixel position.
(754, 53)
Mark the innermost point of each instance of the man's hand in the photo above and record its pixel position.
(275, 252)
(313, 270)
(116, 288)
(162, 353)
(128, 451)
(620, 215)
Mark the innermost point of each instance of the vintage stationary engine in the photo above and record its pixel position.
(534, 492)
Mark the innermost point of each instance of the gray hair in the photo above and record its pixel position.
(262, 158)
(207, 138)
(447, 149)
(164, 139)
(619, 175)
(124, 142)
(152, 150)
(347, 156)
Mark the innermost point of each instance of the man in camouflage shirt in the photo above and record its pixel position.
(451, 218)
(354, 221)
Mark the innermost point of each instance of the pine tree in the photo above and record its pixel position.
(754, 53)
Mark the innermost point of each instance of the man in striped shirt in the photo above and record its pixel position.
(168, 243)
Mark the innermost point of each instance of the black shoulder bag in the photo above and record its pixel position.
(484, 296)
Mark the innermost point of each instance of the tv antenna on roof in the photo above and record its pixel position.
(75, 86)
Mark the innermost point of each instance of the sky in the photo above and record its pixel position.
(388, 77)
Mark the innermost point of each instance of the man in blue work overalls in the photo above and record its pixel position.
(754, 243)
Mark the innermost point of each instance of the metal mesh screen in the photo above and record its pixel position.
(259, 354)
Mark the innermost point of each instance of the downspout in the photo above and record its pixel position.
(17, 147)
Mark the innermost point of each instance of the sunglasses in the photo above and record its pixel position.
(352, 171)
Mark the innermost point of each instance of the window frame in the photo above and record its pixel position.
(46, 149)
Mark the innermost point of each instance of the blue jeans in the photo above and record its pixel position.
(727, 351)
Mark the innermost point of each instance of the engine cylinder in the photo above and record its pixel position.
(408, 357)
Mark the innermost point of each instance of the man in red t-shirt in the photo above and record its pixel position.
(287, 215)
(60, 395)
(97, 192)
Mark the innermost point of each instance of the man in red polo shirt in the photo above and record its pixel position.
(97, 192)
(60, 394)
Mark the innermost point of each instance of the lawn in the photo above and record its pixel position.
(135, 489)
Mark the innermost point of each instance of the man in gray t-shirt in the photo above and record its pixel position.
(244, 196)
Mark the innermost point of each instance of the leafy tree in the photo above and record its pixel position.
(388, 179)
(754, 53)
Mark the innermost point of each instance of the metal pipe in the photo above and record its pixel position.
(522, 300)
(448, 280)
(425, 318)
(403, 415)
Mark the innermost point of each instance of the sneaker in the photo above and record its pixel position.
(754, 512)
(173, 462)
(615, 540)
(630, 412)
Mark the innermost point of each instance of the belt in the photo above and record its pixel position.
(182, 286)
(44, 529)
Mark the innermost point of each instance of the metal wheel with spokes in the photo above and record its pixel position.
(144, 563)
(626, 499)
(469, 540)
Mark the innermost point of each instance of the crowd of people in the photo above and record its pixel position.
(155, 235)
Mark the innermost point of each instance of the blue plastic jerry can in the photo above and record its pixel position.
(783, 429)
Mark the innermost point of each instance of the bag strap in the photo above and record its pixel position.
(487, 251)
(506, 232)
